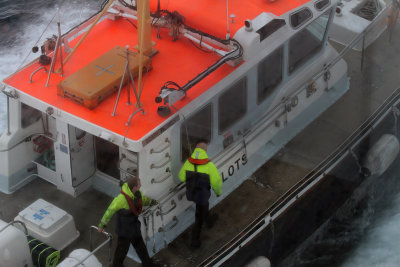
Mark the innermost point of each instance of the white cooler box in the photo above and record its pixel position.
(48, 223)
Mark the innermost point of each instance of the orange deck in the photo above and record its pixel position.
(177, 61)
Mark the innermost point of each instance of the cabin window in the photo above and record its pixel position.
(29, 115)
(300, 17)
(269, 74)
(232, 105)
(270, 28)
(307, 42)
(320, 5)
(197, 126)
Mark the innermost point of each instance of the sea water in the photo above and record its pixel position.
(367, 234)
(27, 23)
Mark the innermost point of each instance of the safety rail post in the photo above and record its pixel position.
(108, 240)
(8, 116)
(128, 123)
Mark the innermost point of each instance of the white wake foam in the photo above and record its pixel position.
(15, 52)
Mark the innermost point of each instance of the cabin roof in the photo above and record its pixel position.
(177, 61)
(210, 15)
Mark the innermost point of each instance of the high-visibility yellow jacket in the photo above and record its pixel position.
(200, 156)
(126, 217)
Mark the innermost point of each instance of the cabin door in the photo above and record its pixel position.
(82, 155)
(74, 158)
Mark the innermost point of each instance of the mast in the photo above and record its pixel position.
(145, 45)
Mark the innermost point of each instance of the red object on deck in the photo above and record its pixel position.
(41, 144)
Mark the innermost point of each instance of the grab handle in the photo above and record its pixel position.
(153, 166)
(154, 181)
(162, 148)
(45, 71)
(175, 219)
(173, 203)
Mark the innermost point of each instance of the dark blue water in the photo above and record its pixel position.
(364, 234)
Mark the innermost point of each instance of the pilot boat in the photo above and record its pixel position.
(131, 89)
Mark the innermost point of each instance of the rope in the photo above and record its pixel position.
(369, 10)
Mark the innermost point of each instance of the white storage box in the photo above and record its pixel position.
(48, 223)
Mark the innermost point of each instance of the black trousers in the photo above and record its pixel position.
(201, 216)
(123, 247)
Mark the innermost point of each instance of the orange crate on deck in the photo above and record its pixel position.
(101, 77)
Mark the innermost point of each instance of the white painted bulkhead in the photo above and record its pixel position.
(16, 151)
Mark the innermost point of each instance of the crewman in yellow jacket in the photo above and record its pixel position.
(200, 174)
(128, 206)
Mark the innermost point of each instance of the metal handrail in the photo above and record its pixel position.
(173, 206)
(109, 240)
(175, 219)
(126, 171)
(161, 149)
(154, 181)
(164, 198)
(43, 67)
(124, 157)
(14, 222)
(153, 166)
